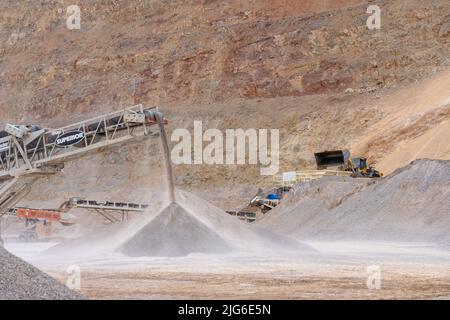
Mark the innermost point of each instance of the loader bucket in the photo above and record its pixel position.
(332, 158)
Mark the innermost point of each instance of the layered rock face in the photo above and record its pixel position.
(184, 52)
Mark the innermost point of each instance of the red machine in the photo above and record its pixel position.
(48, 215)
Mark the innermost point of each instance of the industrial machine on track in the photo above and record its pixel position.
(260, 204)
(112, 211)
(28, 152)
(43, 217)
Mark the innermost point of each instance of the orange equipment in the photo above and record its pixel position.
(49, 215)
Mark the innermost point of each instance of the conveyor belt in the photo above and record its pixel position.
(40, 150)
(106, 205)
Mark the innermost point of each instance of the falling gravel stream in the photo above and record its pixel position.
(165, 143)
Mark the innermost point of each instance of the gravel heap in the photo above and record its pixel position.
(21, 281)
(307, 203)
(191, 225)
(412, 204)
(174, 232)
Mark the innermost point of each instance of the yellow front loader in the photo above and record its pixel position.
(342, 160)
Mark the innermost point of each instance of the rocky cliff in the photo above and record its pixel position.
(198, 51)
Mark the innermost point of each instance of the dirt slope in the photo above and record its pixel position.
(416, 125)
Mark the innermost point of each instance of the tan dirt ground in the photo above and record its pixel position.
(301, 281)
(337, 271)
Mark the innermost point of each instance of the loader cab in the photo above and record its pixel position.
(360, 163)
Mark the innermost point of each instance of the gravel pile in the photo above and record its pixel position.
(307, 202)
(174, 232)
(190, 226)
(21, 281)
(412, 204)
